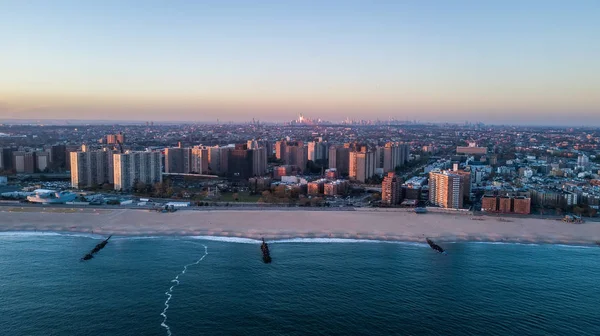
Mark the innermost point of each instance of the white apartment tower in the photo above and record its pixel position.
(133, 167)
(89, 168)
(362, 165)
(394, 154)
(446, 189)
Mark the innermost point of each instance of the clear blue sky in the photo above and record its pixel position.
(492, 61)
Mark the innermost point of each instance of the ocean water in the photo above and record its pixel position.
(313, 287)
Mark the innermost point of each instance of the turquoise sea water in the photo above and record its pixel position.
(314, 287)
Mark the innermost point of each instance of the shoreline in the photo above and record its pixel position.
(299, 240)
(288, 225)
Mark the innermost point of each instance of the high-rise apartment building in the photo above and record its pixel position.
(317, 151)
(24, 162)
(178, 160)
(110, 158)
(218, 159)
(240, 162)
(6, 157)
(292, 153)
(394, 155)
(362, 165)
(133, 167)
(42, 160)
(68, 150)
(89, 168)
(259, 161)
(297, 156)
(58, 156)
(200, 160)
(244, 163)
(391, 189)
(445, 189)
(339, 158)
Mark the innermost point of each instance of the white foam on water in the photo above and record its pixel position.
(346, 241)
(324, 240)
(228, 239)
(169, 293)
(83, 235)
(575, 246)
(140, 237)
(27, 233)
(51, 233)
(496, 243)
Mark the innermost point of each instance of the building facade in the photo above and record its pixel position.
(391, 189)
(178, 160)
(445, 189)
(395, 155)
(89, 169)
(362, 165)
(133, 167)
(339, 158)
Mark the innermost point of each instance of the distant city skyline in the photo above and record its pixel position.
(509, 62)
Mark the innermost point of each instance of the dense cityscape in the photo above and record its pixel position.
(307, 162)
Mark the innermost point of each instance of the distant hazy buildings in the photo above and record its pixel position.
(471, 149)
(133, 167)
(112, 139)
(583, 161)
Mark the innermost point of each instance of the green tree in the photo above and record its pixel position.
(578, 210)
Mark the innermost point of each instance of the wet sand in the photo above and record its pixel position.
(287, 224)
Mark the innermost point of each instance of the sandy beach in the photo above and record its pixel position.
(275, 224)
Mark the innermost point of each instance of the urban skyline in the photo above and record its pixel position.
(497, 63)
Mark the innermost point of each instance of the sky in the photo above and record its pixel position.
(519, 62)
